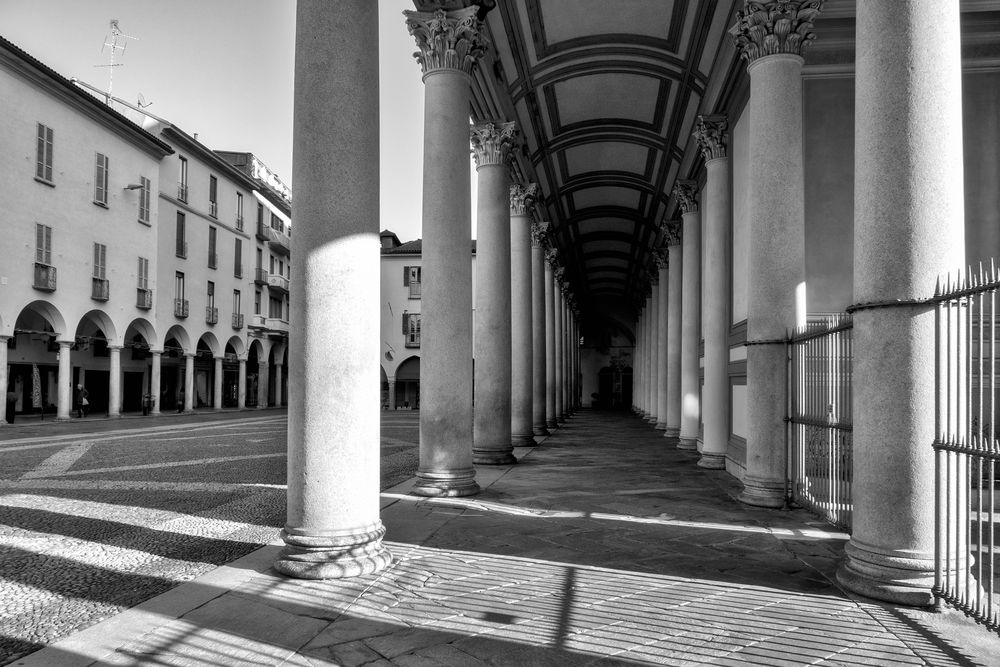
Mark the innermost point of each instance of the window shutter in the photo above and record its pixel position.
(406, 276)
(40, 243)
(406, 324)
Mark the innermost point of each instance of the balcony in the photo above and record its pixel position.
(237, 321)
(45, 277)
(239, 223)
(213, 209)
(182, 192)
(182, 249)
(143, 298)
(257, 322)
(414, 289)
(260, 276)
(276, 324)
(100, 289)
(180, 307)
(262, 231)
(211, 315)
(213, 260)
(279, 242)
(277, 282)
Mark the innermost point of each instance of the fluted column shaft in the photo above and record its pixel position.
(675, 260)
(333, 527)
(521, 337)
(716, 288)
(446, 439)
(661, 342)
(550, 346)
(538, 332)
(908, 230)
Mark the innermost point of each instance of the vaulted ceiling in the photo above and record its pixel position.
(605, 94)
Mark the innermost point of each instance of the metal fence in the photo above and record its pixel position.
(820, 368)
(967, 512)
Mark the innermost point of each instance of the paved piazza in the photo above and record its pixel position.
(97, 516)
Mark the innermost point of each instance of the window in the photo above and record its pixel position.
(256, 302)
(281, 267)
(239, 211)
(260, 258)
(182, 180)
(411, 329)
(210, 300)
(213, 199)
(260, 214)
(411, 279)
(144, 199)
(211, 312)
(238, 258)
(271, 265)
(275, 221)
(43, 244)
(181, 235)
(101, 179)
(275, 308)
(142, 274)
(212, 257)
(179, 285)
(43, 154)
(99, 289)
(237, 301)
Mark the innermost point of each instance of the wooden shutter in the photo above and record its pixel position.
(406, 277)
(406, 324)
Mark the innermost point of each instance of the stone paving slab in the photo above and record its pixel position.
(603, 546)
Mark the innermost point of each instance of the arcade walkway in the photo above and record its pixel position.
(604, 545)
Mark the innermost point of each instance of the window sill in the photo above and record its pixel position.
(43, 181)
(145, 222)
(101, 204)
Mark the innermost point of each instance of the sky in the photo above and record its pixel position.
(224, 69)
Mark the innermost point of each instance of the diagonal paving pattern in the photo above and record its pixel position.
(603, 546)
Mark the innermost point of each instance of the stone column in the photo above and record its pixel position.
(450, 43)
(908, 230)
(654, 349)
(278, 388)
(114, 381)
(560, 343)
(392, 394)
(333, 527)
(550, 339)
(188, 381)
(539, 233)
(154, 381)
(660, 257)
(241, 401)
(3, 378)
(776, 214)
(712, 138)
(685, 191)
(491, 423)
(674, 276)
(521, 339)
(217, 384)
(65, 381)
(263, 380)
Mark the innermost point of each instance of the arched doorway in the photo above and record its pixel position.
(408, 384)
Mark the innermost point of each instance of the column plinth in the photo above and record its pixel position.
(521, 339)
(333, 527)
(675, 261)
(449, 43)
(908, 230)
(712, 137)
(538, 236)
(690, 316)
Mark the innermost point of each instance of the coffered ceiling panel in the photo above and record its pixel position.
(606, 196)
(606, 96)
(606, 156)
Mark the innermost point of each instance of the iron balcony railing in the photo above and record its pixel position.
(143, 298)
(211, 315)
(239, 223)
(260, 276)
(182, 191)
(262, 231)
(821, 431)
(967, 447)
(45, 277)
(237, 321)
(213, 209)
(180, 307)
(414, 289)
(100, 289)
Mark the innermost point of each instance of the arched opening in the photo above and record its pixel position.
(33, 360)
(136, 364)
(408, 384)
(614, 388)
(231, 373)
(204, 372)
(253, 366)
(172, 368)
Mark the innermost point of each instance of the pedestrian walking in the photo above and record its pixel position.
(82, 404)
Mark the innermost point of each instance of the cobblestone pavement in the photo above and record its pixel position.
(602, 546)
(97, 515)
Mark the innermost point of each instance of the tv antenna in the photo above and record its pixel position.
(142, 103)
(114, 41)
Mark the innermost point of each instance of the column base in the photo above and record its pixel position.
(493, 458)
(712, 461)
(523, 440)
(762, 493)
(333, 556)
(672, 432)
(661, 426)
(445, 483)
(687, 444)
(651, 420)
(541, 430)
(551, 424)
(885, 577)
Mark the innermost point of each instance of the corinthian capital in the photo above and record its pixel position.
(660, 258)
(710, 131)
(685, 192)
(673, 233)
(552, 257)
(522, 197)
(491, 142)
(539, 234)
(447, 40)
(775, 26)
